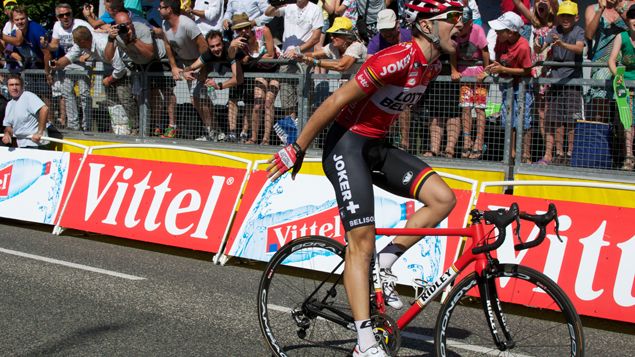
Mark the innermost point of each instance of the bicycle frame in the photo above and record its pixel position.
(475, 231)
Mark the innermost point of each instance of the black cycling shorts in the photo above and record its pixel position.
(353, 163)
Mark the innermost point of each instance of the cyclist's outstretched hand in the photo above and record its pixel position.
(289, 157)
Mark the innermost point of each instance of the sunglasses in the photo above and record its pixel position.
(65, 14)
(451, 17)
(9, 7)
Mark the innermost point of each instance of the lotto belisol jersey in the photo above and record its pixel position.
(393, 79)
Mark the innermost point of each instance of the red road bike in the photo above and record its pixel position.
(497, 309)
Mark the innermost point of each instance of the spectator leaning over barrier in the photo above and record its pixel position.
(134, 41)
(471, 47)
(62, 39)
(391, 33)
(184, 43)
(31, 54)
(623, 45)
(218, 58)
(344, 50)
(603, 22)
(259, 93)
(513, 60)
(302, 28)
(26, 114)
(564, 102)
(9, 29)
(207, 14)
(117, 83)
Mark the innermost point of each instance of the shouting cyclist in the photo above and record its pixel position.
(356, 154)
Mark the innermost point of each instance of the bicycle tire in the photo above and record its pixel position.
(554, 329)
(288, 326)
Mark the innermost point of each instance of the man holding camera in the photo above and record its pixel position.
(117, 83)
(62, 38)
(134, 40)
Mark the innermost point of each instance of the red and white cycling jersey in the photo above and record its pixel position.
(393, 79)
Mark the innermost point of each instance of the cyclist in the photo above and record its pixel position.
(356, 154)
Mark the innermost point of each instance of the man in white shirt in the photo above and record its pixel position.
(117, 83)
(26, 114)
(208, 14)
(303, 23)
(62, 37)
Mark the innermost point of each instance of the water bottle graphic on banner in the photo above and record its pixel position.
(388, 212)
(18, 175)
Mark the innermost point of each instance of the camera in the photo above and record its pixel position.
(122, 28)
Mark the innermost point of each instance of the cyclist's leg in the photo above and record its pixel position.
(423, 184)
(344, 163)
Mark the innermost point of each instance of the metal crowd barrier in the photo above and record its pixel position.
(587, 138)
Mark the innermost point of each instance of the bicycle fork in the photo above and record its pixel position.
(493, 308)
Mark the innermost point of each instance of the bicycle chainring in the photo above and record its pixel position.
(387, 333)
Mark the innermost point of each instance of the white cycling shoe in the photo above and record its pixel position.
(388, 281)
(374, 351)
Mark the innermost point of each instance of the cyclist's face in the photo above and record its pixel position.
(448, 29)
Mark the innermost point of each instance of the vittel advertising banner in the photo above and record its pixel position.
(593, 264)
(32, 183)
(182, 205)
(272, 214)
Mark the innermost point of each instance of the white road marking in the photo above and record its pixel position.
(71, 265)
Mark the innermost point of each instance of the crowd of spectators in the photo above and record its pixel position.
(227, 38)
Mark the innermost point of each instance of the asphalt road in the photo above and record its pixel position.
(86, 295)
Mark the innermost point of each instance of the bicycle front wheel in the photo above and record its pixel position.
(302, 304)
(526, 314)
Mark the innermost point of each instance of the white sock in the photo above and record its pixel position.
(365, 336)
(389, 255)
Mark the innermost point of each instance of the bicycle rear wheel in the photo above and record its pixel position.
(302, 304)
(532, 316)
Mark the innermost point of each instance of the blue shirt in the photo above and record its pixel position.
(30, 50)
(377, 43)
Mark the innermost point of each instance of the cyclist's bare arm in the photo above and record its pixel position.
(350, 92)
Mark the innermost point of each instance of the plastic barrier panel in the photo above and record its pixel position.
(32, 183)
(594, 263)
(182, 205)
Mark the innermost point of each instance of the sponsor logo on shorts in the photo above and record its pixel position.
(345, 187)
(407, 178)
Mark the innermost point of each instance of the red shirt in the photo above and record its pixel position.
(508, 5)
(393, 79)
(514, 55)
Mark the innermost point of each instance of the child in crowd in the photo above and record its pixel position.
(471, 47)
(623, 44)
(564, 102)
(542, 17)
(513, 60)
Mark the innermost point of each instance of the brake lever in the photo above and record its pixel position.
(518, 228)
(557, 222)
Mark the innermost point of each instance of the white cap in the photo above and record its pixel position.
(507, 21)
(386, 19)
